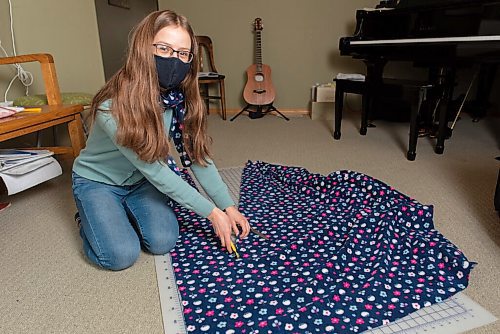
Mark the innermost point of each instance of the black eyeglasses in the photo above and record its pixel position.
(166, 51)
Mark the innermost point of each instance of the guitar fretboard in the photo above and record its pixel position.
(258, 50)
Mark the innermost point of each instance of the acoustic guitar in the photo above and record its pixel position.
(259, 89)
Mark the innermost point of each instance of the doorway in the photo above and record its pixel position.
(115, 20)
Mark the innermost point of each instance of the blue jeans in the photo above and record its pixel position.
(116, 220)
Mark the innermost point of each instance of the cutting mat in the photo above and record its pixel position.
(455, 315)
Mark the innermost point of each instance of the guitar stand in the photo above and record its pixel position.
(253, 114)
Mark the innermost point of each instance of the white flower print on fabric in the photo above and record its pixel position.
(345, 253)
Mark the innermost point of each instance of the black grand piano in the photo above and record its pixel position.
(440, 35)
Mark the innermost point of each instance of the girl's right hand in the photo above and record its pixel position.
(222, 227)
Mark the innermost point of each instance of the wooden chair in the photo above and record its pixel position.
(53, 114)
(207, 64)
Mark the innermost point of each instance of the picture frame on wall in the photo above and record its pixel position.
(120, 3)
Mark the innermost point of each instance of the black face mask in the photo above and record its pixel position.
(171, 71)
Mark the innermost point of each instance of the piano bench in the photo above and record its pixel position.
(416, 89)
(343, 86)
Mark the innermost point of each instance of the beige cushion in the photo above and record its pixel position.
(41, 99)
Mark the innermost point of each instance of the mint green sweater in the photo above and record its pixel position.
(103, 160)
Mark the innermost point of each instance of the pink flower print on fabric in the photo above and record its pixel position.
(346, 253)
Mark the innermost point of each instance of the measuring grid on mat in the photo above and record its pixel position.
(424, 318)
(454, 315)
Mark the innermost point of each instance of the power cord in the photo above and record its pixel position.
(24, 76)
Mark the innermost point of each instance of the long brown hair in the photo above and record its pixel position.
(135, 94)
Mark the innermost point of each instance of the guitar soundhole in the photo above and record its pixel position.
(259, 77)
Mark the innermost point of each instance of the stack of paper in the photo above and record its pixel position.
(6, 112)
(350, 76)
(207, 75)
(22, 169)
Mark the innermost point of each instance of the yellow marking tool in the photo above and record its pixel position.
(32, 110)
(234, 250)
(234, 238)
(233, 247)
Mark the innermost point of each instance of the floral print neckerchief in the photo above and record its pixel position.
(174, 99)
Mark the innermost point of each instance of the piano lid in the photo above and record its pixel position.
(446, 31)
(439, 18)
(438, 3)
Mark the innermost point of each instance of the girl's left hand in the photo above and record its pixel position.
(236, 217)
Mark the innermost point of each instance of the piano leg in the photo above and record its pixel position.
(366, 105)
(479, 107)
(373, 80)
(415, 111)
(448, 82)
(497, 194)
(339, 105)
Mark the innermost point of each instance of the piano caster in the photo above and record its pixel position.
(439, 149)
(362, 131)
(411, 156)
(336, 135)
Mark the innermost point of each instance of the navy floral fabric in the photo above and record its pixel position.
(175, 100)
(345, 253)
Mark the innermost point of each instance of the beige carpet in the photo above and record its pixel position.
(48, 287)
